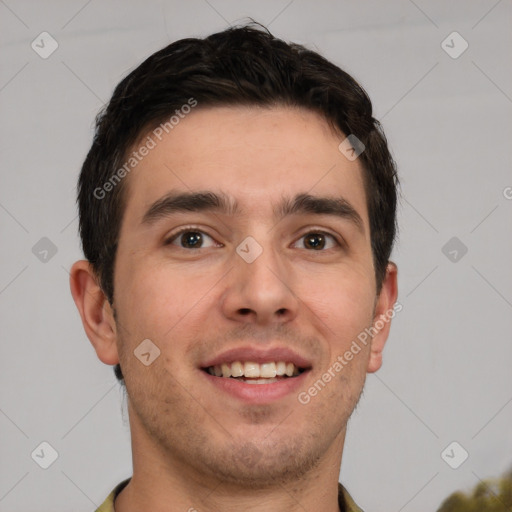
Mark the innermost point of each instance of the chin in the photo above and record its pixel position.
(258, 466)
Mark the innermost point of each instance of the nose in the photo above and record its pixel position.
(260, 292)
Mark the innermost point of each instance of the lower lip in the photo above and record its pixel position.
(258, 393)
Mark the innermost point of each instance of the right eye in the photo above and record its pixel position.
(190, 238)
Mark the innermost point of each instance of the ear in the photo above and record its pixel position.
(384, 312)
(95, 310)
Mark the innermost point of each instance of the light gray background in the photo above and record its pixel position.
(447, 368)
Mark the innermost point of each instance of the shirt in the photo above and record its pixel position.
(345, 502)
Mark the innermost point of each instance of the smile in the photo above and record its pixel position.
(255, 373)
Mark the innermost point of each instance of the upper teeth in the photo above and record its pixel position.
(254, 370)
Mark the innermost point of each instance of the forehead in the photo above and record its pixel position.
(254, 155)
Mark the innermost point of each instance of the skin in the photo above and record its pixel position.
(195, 447)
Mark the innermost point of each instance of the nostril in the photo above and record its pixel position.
(281, 311)
(245, 311)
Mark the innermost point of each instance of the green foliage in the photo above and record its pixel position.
(493, 495)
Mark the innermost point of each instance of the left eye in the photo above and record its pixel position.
(318, 241)
(191, 239)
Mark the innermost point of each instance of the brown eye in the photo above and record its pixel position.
(317, 241)
(314, 241)
(191, 239)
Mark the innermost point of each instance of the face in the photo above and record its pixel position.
(244, 248)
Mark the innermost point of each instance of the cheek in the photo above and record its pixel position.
(156, 301)
(155, 305)
(343, 301)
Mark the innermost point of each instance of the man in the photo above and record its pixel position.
(237, 213)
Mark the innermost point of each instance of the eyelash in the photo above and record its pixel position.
(195, 229)
(186, 229)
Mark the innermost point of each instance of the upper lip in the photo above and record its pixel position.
(258, 355)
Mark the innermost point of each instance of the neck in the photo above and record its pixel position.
(162, 483)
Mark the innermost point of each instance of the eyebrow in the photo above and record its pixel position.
(221, 203)
(190, 202)
(306, 203)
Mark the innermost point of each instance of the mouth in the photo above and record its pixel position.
(257, 375)
(251, 372)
